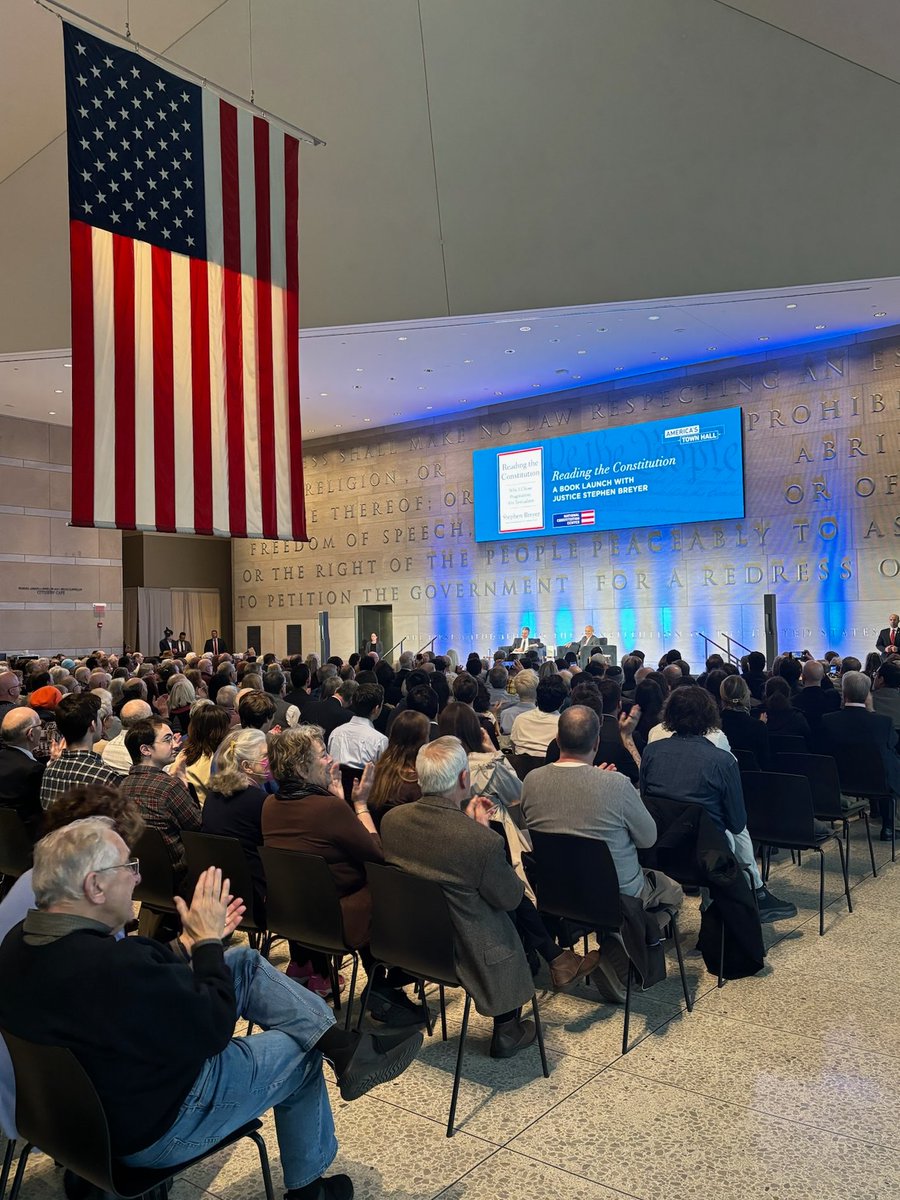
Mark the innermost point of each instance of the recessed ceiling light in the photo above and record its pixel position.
(467, 360)
(620, 368)
(356, 387)
(464, 402)
(582, 351)
(712, 347)
(52, 413)
(554, 340)
(664, 358)
(535, 385)
(509, 351)
(429, 407)
(398, 414)
(601, 329)
(653, 318)
(339, 427)
(524, 329)
(763, 338)
(881, 314)
(576, 376)
(402, 339)
(359, 370)
(820, 327)
(420, 387)
(67, 364)
(790, 306)
(367, 419)
(498, 393)
(58, 391)
(679, 330)
(323, 394)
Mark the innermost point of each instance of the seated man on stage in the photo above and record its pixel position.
(153, 1027)
(586, 645)
(525, 642)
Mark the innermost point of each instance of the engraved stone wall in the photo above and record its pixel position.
(390, 521)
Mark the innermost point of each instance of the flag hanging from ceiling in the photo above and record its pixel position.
(184, 248)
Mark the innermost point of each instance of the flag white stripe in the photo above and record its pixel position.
(104, 378)
(182, 451)
(215, 275)
(277, 206)
(282, 464)
(247, 196)
(145, 448)
(212, 178)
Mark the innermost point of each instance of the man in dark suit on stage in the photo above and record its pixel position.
(587, 644)
(889, 639)
(856, 731)
(166, 642)
(183, 646)
(214, 644)
(525, 641)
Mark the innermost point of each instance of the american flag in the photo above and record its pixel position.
(184, 247)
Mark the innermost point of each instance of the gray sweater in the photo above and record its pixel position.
(592, 803)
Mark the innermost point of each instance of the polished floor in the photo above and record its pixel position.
(781, 1087)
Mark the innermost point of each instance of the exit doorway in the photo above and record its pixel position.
(374, 618)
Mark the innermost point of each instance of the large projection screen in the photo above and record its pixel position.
(655, 473)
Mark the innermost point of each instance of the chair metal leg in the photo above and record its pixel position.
(352, 989)
(627, 1008)
(871, 847)
(539, 1033)
(333, 961)
(20, 1171)
(429, 1024)
(676, 938)
(364, 1003)
(443, 1012)
(821, 891)
(260, 1144)
(845, 870)
(459, 1063)
(7, 1165)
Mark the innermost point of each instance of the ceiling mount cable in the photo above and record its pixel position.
(88, 23)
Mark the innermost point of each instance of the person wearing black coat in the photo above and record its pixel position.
(742, 731)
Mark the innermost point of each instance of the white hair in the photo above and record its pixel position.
(439, 765)
(65, 858)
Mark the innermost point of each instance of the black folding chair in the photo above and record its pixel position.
(302, 904)
(523, 764)
(746, 760)
(786, 743)
(158, 884)
(575, 879)
(861, 772)
(15, 849)
(780, 813)
(58, 1109)
(412, 930)
(825, 783)
(205, 850)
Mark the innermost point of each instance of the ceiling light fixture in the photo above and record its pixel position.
(58, 391)
(524, 329)
(554, 340)
(582, 351)
(821, 327)
(468, 360)
(712, 347)
(429, 407)
(601, 329)
(367, 419)
(881, 314)
(763, 338)
(664, 358)
(67, 364)
(509, 351)
(620, 368)
(52, 412)
(323, 394)
(359, 370)
(653, 318)
(790, 306)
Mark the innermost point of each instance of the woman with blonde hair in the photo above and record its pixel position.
(181, 697)
(238, 776)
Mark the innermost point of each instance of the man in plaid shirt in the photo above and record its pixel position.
(78, 720)
(164, 800)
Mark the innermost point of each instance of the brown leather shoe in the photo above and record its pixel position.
(568, 967)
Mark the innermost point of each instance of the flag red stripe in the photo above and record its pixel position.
(234, 361)
(123, 338)
(82, 371)
(201, 436)
(292, 332)
(163, 391)
(265, 378)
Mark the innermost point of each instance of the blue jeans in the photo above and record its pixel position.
(277, 1068)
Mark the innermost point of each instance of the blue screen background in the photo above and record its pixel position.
(587, 486)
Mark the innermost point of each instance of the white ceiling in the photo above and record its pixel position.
(365, 376)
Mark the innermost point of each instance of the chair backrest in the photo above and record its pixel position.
(15, 844)
(157, 886)
(211, 850)
(411, 924)
(779, 809)
(575, 877)
(786, 743)
(824, 781)
(349, 775)
(861, 769)
(746, 759)
(302, 901)
(58, 1109)
(522, 764)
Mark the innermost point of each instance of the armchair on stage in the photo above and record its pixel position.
(585, 647)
